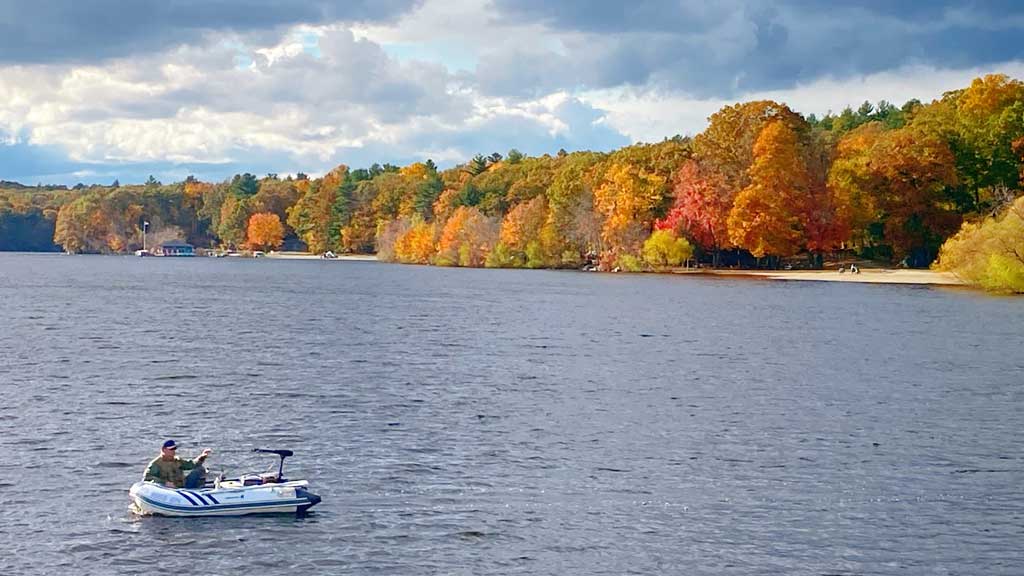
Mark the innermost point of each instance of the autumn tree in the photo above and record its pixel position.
(313, 214)
(467, 238)
(78, 226)
(276, 196)
(571, 203)
(700, 209)
(854, 182)
(663, 249)
(417, 245)
(766, 217)
(915, 170)
(628, 197)
(264, 231)
(387, 237)
(523, 223)
(445, 205)
(826, 215)
(902, 180)
(359, 235)
(427, 185)
(632, 191)
(234, 216)
(989, 253)
(408, 239)
(195, 194)
(727, 144)
(979, 124)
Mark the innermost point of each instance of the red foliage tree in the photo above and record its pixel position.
(701, 207)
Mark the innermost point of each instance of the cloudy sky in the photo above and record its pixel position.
(94, 90)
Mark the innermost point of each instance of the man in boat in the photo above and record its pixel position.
(169, 470)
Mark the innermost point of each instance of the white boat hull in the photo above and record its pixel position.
(285, 497)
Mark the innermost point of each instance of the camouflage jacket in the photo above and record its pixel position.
(173, 471)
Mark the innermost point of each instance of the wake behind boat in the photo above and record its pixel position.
(248, 494)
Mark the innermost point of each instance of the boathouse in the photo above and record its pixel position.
(176, 248)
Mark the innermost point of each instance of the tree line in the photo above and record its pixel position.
(761, 185)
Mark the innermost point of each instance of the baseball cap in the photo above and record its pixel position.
(170, 444)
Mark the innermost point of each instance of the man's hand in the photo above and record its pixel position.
(206, 453)
(170, 484)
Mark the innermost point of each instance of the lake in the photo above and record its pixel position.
(510, 422)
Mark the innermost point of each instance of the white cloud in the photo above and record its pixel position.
(649, 116)
(446, 81)
(346, 101)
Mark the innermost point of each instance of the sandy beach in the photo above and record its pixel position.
(308, 256)
(866, 276)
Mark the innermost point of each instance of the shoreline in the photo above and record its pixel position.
(866, 276)
(310, 256)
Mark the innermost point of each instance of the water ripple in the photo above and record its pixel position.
(511, 422)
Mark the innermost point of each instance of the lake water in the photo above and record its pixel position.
(510, 422)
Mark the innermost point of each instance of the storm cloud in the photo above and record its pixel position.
(84, 31)
(735, 47)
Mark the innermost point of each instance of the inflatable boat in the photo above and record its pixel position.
(248, 494)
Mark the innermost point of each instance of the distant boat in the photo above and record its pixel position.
(143, 253)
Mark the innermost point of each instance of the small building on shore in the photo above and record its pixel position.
(176, 248)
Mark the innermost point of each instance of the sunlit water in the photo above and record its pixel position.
(510, 422)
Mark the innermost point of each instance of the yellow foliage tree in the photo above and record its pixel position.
(416, 171)
(664, 249)
(628, 198)
(264, 231)
(311, 215)
(417, 244)
(989, 254)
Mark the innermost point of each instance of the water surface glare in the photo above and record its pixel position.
(511, 422)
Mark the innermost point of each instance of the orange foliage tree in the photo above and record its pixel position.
(264, 231)
(467, 238)
(417, 244)
(728, 141)
(766, 217)
(523, 223)
(915, 168)
(854, 183)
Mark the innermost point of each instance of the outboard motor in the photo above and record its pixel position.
(283, 454)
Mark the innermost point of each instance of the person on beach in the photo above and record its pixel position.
(169, 470)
